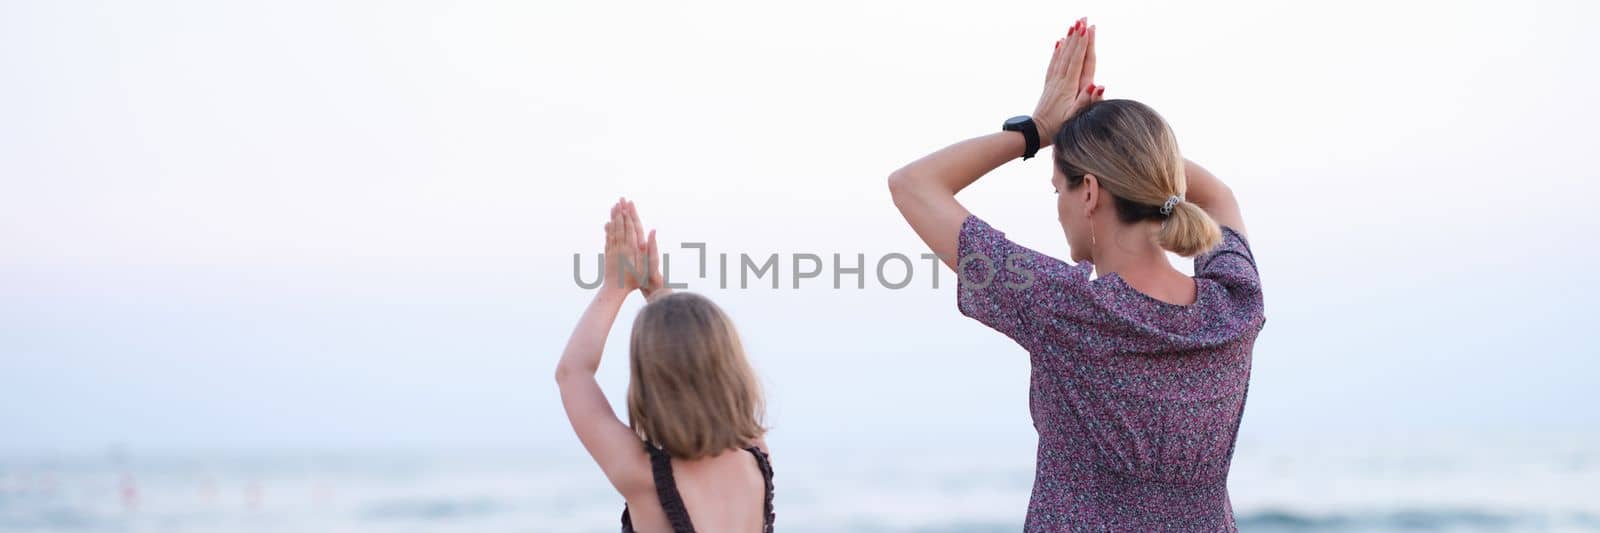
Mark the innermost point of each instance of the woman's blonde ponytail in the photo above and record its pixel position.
(1188, 231)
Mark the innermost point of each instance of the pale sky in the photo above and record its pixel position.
(351, 224)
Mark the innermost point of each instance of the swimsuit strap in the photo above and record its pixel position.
(667, 490)
(672, 502)
(766, 476)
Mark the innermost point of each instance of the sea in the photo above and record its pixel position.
(1452, 483)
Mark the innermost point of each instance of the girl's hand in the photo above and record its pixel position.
(656, 283)
(625, 265)
(647, 252)
(1068, 83)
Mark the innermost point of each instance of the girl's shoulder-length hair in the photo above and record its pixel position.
(691, 390)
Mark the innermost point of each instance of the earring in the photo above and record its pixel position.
(1092, 242)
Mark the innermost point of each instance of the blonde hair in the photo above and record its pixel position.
(1130, 149)
(692, 392)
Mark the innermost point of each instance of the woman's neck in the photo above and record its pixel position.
(1129, 250)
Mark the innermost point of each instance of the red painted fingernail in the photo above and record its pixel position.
(1058, 45)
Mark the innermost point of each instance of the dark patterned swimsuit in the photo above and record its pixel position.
(672, 502)
(1137, 401)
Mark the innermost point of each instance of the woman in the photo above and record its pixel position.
(694, 405)
(1138, 374)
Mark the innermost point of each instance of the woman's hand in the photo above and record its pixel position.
(1068, 83)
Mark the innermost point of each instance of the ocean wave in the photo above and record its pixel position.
(431, 510)
(51, 519)
(1412, 519)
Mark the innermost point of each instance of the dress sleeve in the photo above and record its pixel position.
(1233, 266)
(1012, 289)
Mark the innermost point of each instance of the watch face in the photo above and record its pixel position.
(1018, 120)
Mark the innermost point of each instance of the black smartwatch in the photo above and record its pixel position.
(1030, 133)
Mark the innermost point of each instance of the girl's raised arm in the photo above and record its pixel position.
(614, 446)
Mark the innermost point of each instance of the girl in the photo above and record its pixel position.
(694, 405)
(1139, 374)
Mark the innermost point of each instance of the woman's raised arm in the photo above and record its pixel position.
(925, 189)
(1213, 196)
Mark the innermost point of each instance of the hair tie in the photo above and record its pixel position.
(1166, 208)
